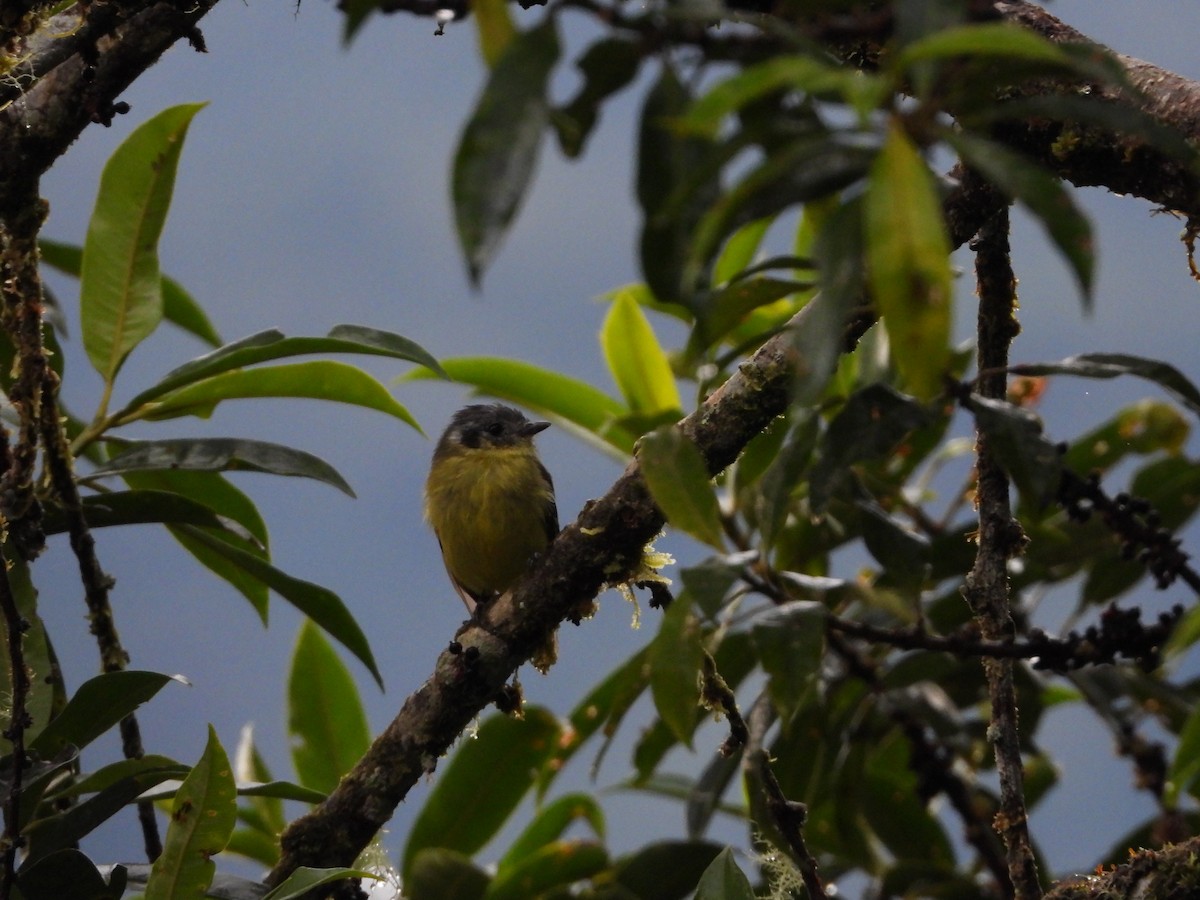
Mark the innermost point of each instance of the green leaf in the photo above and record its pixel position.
(120, 283)
(986, 39)
(222, 455)
(325, 715)
(1044, 195)
(723, 880)
(226, 563)
(675, 185)
(440, 874)
(495, 28)
(607, 66)
(588, 413)
(676, 657)
(108, 776)
(1111, 365)
(790, 640)
(202, 819)
(98, 705)
(67, 874)
(636, 359)
(135, 508)
(320, 380)
(210, 489)
(678, 479)
(272, 344)
(1014, 437)
(550, 823)
(498, 152)
(46, 695)
(869, 425)
(908, 254)
(179, 307)
(665, 870)
(489, 774)
(320, 604)
(740, 250)
(302, 881)
(557, 864)
(729, 306)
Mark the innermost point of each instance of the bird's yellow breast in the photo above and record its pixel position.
(488, 509)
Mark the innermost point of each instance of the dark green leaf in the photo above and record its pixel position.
(440, 874)
(708, 583)
(723, 880)
(109, 775)
(704, 799)
(908, 253)
(325, 715)
(320, 604)
(666, 870)
(120, 284)
(498, 151)
(775, 491)
(226, 565)
(678, 479)
(489, 774)
(209, 489)
(1111, 365)
(99, 704)
(1014, 437)
(46, 696)
(871, 423)
(135, 508)
(559, 863)
(607, 66)
(66, 875)
(222, 455)
(903, 553)
(675, 185)
(984, 39)
(1148, 426)
(732, 303)
(790, 640)
(272, 344)
(675, 660)
(1045, 196)
(550, 823)
(228, 887)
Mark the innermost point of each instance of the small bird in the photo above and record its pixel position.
(489, 499)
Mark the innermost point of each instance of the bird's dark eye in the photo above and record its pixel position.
(496, 429)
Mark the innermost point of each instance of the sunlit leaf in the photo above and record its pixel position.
(556, 864)
(637, 360)
(908, 254)
(120, 283)
(494, 26)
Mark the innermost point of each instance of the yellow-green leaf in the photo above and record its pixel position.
(637, 360)
(679, 481)
(908, 255)
(494, 26)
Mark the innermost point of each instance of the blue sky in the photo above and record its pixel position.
(314, 190)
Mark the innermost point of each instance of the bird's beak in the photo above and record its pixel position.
(529, 429)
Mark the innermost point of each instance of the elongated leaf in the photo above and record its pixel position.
(98, 705)
(675, 660)
(739, 251)
(272, 344)
(679, 481)
(224, 886)
(135, 508)
(325, 715)
(66, 873)
(986, 39)
(210, 489)
(320, 604)
(588, 413)
(1111, 365)
(909, 256)
(495, 28)
(790, 640)
(487, 775)
(46, 695)
(301, 882)
(222, 455)
(636, 359)
(120, 283)
(109, 775)
(179, 307)
(202, 818)
(499, 148)
(723, 880)
(440, 874)
(607, 66)
(200, 543)
(666, 870)
(550, 823)
(320, 380)
(557, 864)
(1043, 194)
(1015, 438)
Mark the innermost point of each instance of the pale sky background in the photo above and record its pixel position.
(313, 190)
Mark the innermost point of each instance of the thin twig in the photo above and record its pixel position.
(999, 538)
